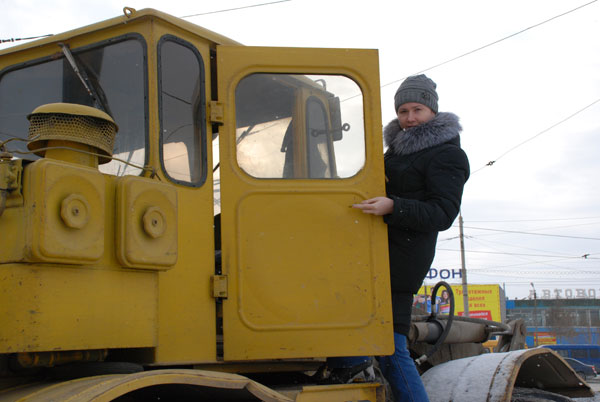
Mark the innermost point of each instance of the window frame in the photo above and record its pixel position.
(201, 112)
(328, 139)
(103, 43)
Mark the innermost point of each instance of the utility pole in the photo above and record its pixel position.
(463, 269)
(535, 336)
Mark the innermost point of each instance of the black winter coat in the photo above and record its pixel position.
(426, 170)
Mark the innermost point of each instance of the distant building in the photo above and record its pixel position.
(558, 321)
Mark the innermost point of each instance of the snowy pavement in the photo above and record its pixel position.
(595, 384)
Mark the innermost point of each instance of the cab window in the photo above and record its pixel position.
(182, 111)
(116, 69)
(291, 126)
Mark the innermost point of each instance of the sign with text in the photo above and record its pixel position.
(484, 301)
(544, 338)
(565, 293)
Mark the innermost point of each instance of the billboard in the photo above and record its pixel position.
(484, 301)
(544, 338)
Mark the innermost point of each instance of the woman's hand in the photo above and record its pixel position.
(376, 206)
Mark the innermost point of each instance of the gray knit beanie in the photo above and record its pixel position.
(419, 89)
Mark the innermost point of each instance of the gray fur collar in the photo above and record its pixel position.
(442, 128)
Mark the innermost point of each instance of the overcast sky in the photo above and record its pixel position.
(505, 94)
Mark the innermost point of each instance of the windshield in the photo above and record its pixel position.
(117, 72)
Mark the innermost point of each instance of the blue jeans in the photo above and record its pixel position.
(400, 371)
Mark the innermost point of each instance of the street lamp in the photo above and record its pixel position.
(535, 339)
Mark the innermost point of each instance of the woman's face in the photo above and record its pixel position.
(412, 114)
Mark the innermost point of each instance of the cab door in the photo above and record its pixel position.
(308, 275)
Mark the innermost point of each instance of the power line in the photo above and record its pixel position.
(484, 265)
(556, 274)
(537, 271)
(554, 281)
(492, 162)
(557, 263)
(527, 260)
(492, 43)
(521, 254)
(499, 251)
(185, 16)
(479, 236)
(238, 8)
(547, 262)
(535, 220)
(522, 275)
(486, 242)
(535, 234)
(18, 39)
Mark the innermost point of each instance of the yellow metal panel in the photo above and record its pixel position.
(172, 310)
(370, 392)
(111, 387)
(108, 388)
(13, 232)
(283, 288)
(146, 232)
(187, 314)
(58, 308)
(65, 205)
(187, 331)
(308, 275)
(143, 16)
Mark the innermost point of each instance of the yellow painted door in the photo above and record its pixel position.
(308, 275)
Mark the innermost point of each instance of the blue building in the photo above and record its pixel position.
(558, 321)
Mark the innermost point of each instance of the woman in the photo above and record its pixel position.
(425, 171)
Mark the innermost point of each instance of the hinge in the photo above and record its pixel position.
(216, 112)
(219, 286)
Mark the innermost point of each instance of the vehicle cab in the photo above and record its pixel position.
(219, 226)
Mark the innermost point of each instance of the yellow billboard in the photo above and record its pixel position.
(544, 338)
(484, 301)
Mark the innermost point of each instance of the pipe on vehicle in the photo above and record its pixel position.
(460, 332)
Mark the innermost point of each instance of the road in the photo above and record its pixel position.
(595, 384)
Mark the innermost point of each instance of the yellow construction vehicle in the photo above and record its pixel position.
(175, 219)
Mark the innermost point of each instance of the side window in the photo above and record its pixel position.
(579, 353)
(292, 126)
(182, 111)
(595, 321)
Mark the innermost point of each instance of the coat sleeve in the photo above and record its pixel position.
(445, 177)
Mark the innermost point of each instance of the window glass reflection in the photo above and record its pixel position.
(299, 126)
(182, 106)
(118, 73)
